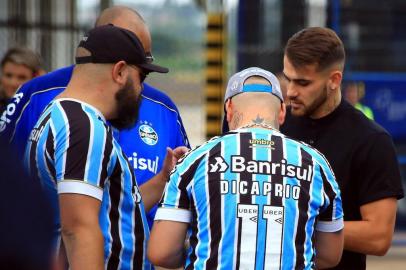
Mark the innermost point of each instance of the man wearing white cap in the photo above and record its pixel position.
(252, 198)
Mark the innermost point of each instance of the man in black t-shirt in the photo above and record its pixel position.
(360, 152)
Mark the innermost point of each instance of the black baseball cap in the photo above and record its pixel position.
(111, 44)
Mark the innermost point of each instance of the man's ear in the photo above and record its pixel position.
(120, 72)
(282, 114)
(229, 111)
(335, 79)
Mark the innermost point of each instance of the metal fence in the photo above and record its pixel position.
(47, 27)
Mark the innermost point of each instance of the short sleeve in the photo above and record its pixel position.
(175, 203)
(82, 150)
(377, 170)
(331, 218)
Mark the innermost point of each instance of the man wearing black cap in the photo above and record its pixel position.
(74, 154)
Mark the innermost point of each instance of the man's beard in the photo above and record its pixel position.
(310, 109)
(128, 104)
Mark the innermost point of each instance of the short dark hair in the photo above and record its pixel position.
(315, 45)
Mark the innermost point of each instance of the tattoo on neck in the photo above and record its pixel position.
(258, 120)
(237, 119)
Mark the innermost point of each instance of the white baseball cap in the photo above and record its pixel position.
(236, 86)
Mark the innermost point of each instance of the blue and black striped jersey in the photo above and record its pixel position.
(72, 150)
(144, 144)
(254, 199)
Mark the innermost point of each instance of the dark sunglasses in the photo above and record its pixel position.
(141, 71)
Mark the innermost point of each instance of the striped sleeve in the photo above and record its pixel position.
(81, 149)
(176, 201)
(331, 214)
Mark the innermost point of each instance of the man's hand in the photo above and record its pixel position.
(152, 190)
(172, 156)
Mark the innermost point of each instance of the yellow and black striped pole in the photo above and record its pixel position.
(215, 71)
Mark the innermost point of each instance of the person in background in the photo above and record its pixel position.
(159, 125)
(361, 152)
(354, 93)
(18, 65)
(282, 81)
(252, 198)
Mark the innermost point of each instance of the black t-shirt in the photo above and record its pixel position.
(362, 156)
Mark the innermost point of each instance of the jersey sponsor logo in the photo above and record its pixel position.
(239, 164)
(147, 134)
(279, 220)
(262, 143)
(257, 188)
(9, 111)
(249, 215)
(220, 165)
(143, 164)
(234, 86)
(248, 211)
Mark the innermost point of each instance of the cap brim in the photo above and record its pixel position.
(154, 68)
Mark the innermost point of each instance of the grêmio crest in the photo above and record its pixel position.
(147, 134)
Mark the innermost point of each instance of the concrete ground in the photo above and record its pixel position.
(394, 260)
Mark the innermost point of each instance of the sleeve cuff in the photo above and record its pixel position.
(80, 187)
(330, 226)
(173, 214)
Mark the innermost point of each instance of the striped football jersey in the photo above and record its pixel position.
(72, 150)
(253, 199)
